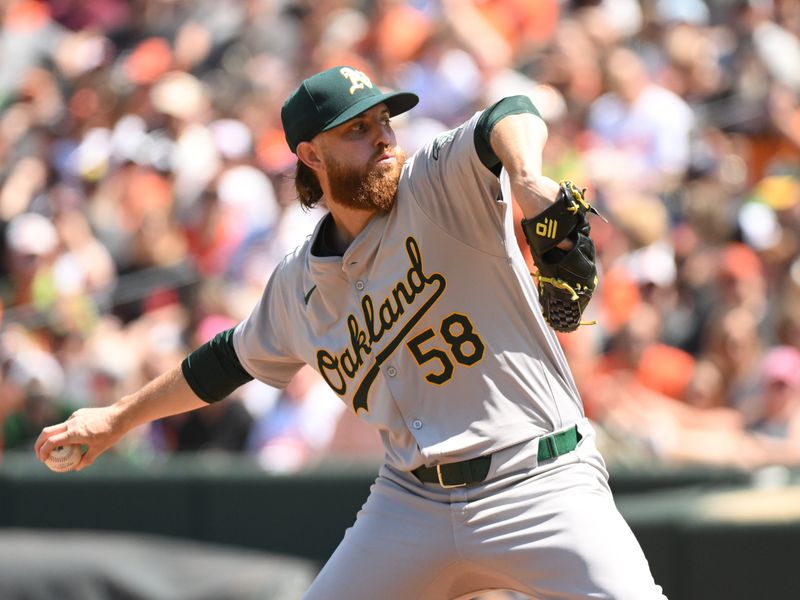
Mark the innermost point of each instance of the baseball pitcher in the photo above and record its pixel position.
(414, 303)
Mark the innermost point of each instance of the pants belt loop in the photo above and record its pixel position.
(552, 446)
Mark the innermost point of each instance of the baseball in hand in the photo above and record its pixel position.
(64, 458)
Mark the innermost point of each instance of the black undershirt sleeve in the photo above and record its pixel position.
(512, 105)
(213, 370)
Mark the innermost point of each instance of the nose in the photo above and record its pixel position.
(385, 135)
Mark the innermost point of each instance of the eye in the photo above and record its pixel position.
(358, 127)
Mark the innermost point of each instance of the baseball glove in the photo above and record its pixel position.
(567, 278)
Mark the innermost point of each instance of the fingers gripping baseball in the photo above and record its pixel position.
(92, 428)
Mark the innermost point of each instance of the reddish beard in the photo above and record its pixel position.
(365, 188)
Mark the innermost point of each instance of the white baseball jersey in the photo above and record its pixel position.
(429, 326)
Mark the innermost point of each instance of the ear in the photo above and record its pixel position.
(310, 155)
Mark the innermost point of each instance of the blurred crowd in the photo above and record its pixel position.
(146, 193)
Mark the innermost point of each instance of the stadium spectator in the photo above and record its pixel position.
(639, 130)
(299, 426)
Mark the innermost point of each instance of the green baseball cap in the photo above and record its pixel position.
(332, 97)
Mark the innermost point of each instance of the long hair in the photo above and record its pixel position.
(307, 185)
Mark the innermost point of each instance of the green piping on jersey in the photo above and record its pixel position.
(513, 105)
(213, 370)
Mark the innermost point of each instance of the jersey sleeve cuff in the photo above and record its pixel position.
(512, 105)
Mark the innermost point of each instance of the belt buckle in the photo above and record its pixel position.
(441, 481)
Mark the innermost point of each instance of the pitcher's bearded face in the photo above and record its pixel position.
(366, 187)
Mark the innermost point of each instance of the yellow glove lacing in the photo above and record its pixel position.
(579, 201)
(562, 285)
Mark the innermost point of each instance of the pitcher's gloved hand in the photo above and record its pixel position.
(567, 278)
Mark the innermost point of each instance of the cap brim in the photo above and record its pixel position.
(396, 102)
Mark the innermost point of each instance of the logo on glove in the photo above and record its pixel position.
(547, 228)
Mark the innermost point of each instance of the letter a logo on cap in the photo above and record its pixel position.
(358, 79)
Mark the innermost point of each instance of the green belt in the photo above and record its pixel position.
(475, 470)
(553, 446)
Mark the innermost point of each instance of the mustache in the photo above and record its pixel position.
(382, 151)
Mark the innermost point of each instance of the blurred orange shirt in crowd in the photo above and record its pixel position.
(521, 22)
